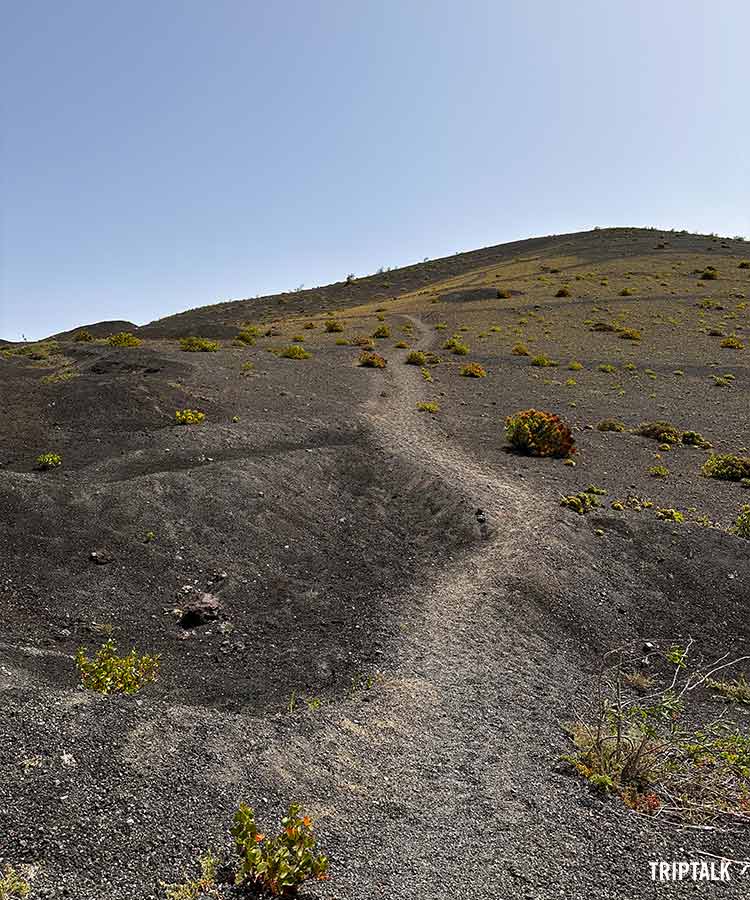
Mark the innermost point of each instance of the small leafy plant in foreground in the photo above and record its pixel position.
(108, 673)
(189, 416)
(203, 886)
(281, 864)
(48, 461)
(742, 525)
(539, 433)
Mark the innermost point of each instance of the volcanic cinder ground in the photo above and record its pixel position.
(409, 616)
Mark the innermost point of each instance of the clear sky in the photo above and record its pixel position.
(163, 154)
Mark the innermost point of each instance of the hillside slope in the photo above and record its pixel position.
(408, 617)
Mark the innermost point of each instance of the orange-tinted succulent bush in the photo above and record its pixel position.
(539, 433)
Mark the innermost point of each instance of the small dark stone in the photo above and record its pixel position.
(101, 557)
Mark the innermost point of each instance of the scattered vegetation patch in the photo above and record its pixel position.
(203, 345)
(610, 425)
(124, 339)
(520, 349)
(108, 673)
(710, 273)
(473, 370)
(732, 343)
(670, 514)
(371, 361)
(607, 368)
(430, 407)
(664, 432)
(456, 345)
(539, 433)
(543, 361)
(726, 467)
(83, 336)
(333, 325)
(658, 472)
(382, 331)
(48, 461)
(627, 292)
(294, 351)
(416, 358)
(246, 336)
(582, 502)
(189, 416)
(630, 334)
(736, 691)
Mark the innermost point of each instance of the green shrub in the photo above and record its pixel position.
(294, 351)
(610, 425)
(83, 336)
(630, 334)
(694, 439)
(429, 407)
(539, 433)
(456, 345)
(333, 325)
(416, 358)
(362, 340)
(543, 361)
(627, 292)
(726, 467)
(575, 366)
(658, 472)
(280, 864)
(670, 514)
(581, 503)
(49, 460)
(371, 360)
(203, 345)
(247, 367)
(742, 525)
(246, 336)
(189, 416)
(108, 673)
(607, 368)
(473, 370)
(124, 339)
(520, 349)
(732, 343)
(664, 432)
(382, 331)
(13, 886)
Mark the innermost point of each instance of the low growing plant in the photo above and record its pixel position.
(108, 673)
(189, 416)
(281, 864)
(13, 885)
(48, 461)
(123, 339)
(202, 345)
(416, 358)
(473, 370)
(294, 351)
(726, 467)
(371, 360)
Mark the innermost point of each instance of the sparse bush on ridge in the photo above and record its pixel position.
(124, 339)
(83, 336)
(203, 345)
(539, 433)
(108, 673)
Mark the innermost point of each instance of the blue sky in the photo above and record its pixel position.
(164, 154)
